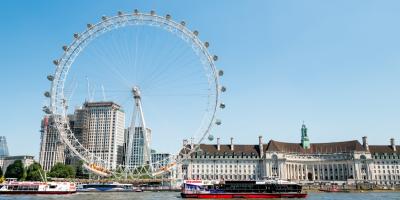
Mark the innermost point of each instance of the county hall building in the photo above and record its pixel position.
(347, 161)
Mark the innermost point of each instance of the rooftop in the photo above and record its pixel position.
(383, 149)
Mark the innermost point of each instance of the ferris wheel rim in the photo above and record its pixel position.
(72, 51)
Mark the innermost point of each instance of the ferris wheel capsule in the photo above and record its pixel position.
(65, 48)
(46, 110)
(152, 12)
(215, 57)
(76, 35)
(47, 94)
(220, 73)
(223, 89)
(183, 23)
(50, 77)
(222, 105)
(120, 13)
(206, 44)
(196, 33)
(55, 62)
(168, 16)
(211, 137)
(104, 18)
(218, 122)
(89, 26)
(136, 12)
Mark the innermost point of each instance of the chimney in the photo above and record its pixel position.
(260, 146)
(365, 143)
(393, 144)
(232, 144)
(218, 145)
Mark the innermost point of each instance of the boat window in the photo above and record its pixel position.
(53, 186)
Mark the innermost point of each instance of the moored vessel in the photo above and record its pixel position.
(334, 188)
(105, 187)
(241, 189)
(35, 187)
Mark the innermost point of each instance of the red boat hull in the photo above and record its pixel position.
(244, 195)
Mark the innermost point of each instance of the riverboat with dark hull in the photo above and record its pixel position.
(15, 187)
(241, 189)
(106, 187)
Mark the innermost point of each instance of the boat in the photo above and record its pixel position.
(36, 187)
(105, 187)
(266, 189)
(138, 190)
(334, 188)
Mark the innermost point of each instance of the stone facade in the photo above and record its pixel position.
(347, 162)
(8, 160)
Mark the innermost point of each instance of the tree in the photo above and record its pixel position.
(1, 172)
(35, 173)
(80, 172)
(16, 170)
(60, 170)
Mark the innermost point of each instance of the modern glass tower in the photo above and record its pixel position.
(3, 146)
(138, 149)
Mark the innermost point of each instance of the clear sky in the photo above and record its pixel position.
(333, 64)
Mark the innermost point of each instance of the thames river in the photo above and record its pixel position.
(175, 195)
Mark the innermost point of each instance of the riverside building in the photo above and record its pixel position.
(386, 166)
(346, 161)
(3, 146)
(26, 160)
(135, 155)
(100, 127)
(51, 147)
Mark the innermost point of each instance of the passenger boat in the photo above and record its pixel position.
(17, 187)
(333, 188)
(105, 187)
(241, 189)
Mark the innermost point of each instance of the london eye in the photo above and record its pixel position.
(155, 68)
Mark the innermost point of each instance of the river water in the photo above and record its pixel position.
(175, 195)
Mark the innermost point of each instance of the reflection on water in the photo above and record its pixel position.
(175, 195)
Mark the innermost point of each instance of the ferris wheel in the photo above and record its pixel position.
(203, 81)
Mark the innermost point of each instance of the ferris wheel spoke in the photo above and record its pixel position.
(162, 67)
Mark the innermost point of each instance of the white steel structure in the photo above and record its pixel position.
(58, 100)
(138, 150)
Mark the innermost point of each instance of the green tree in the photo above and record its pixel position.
(35, 172)
(16, 170)
(80, 172)
(60, 170)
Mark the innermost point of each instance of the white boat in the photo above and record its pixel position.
(36, 187)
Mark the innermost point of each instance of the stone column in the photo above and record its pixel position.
(306, 173)
(300, 172)
(313, 172)
(323, 172)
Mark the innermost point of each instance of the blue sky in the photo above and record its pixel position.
(333, 64)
